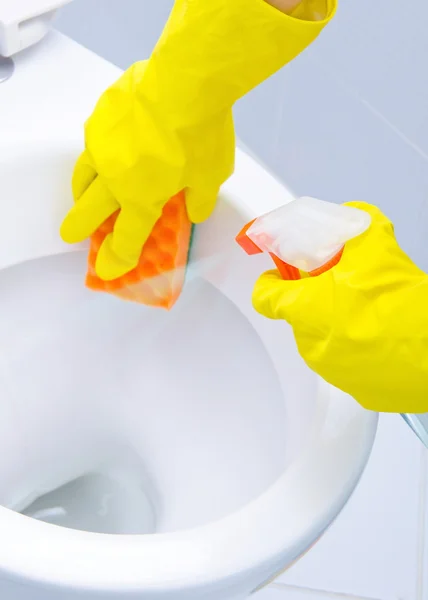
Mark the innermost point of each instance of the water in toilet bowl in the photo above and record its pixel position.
(152, 417)
(116, 499)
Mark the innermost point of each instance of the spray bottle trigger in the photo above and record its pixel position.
(286, 271)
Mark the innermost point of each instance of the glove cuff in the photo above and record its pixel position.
(212, 53)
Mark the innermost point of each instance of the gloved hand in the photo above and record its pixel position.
(167, 125)
(363, 325)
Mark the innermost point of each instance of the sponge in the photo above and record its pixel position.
(159, 277)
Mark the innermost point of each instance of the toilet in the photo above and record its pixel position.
(147, 454)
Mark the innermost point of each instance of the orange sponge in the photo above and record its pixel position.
(158, 278)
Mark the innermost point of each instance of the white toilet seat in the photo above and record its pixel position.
(230, 555)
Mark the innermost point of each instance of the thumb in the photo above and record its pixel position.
(307, 302)
(200, 203)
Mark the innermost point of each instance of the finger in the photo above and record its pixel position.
(121, 250)
(200, 203)
(83, 175)
(374, 247)
(93, 208)
(379, 221)
(378, 217)
(308, 301)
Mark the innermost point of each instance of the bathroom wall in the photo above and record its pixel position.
(346, 120)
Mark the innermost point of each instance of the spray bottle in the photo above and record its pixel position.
(306, 238)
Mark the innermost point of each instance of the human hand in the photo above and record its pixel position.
(363, 325)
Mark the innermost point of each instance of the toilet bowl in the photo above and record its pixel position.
(147, 454)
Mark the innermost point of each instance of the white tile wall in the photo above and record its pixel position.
(380, 49)
(347, 120)
(333, 146)
(257, 115)
(122, 31)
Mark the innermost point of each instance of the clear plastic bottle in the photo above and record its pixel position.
(307, 237)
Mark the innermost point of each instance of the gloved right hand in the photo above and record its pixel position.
(363, 325)
(167, 125)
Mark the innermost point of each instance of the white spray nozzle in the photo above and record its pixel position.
(307, 233)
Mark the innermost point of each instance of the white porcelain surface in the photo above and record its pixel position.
(244, 456)
(25, 22)
(373, 549)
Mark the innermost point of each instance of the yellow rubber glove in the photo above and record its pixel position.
(166, 125)
(363, 325)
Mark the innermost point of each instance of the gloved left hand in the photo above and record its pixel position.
(167, 125)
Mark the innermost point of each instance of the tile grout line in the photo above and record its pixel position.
(318, 592)
(422, 519)
(353, 93)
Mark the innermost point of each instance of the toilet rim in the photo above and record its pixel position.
(269, 532)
